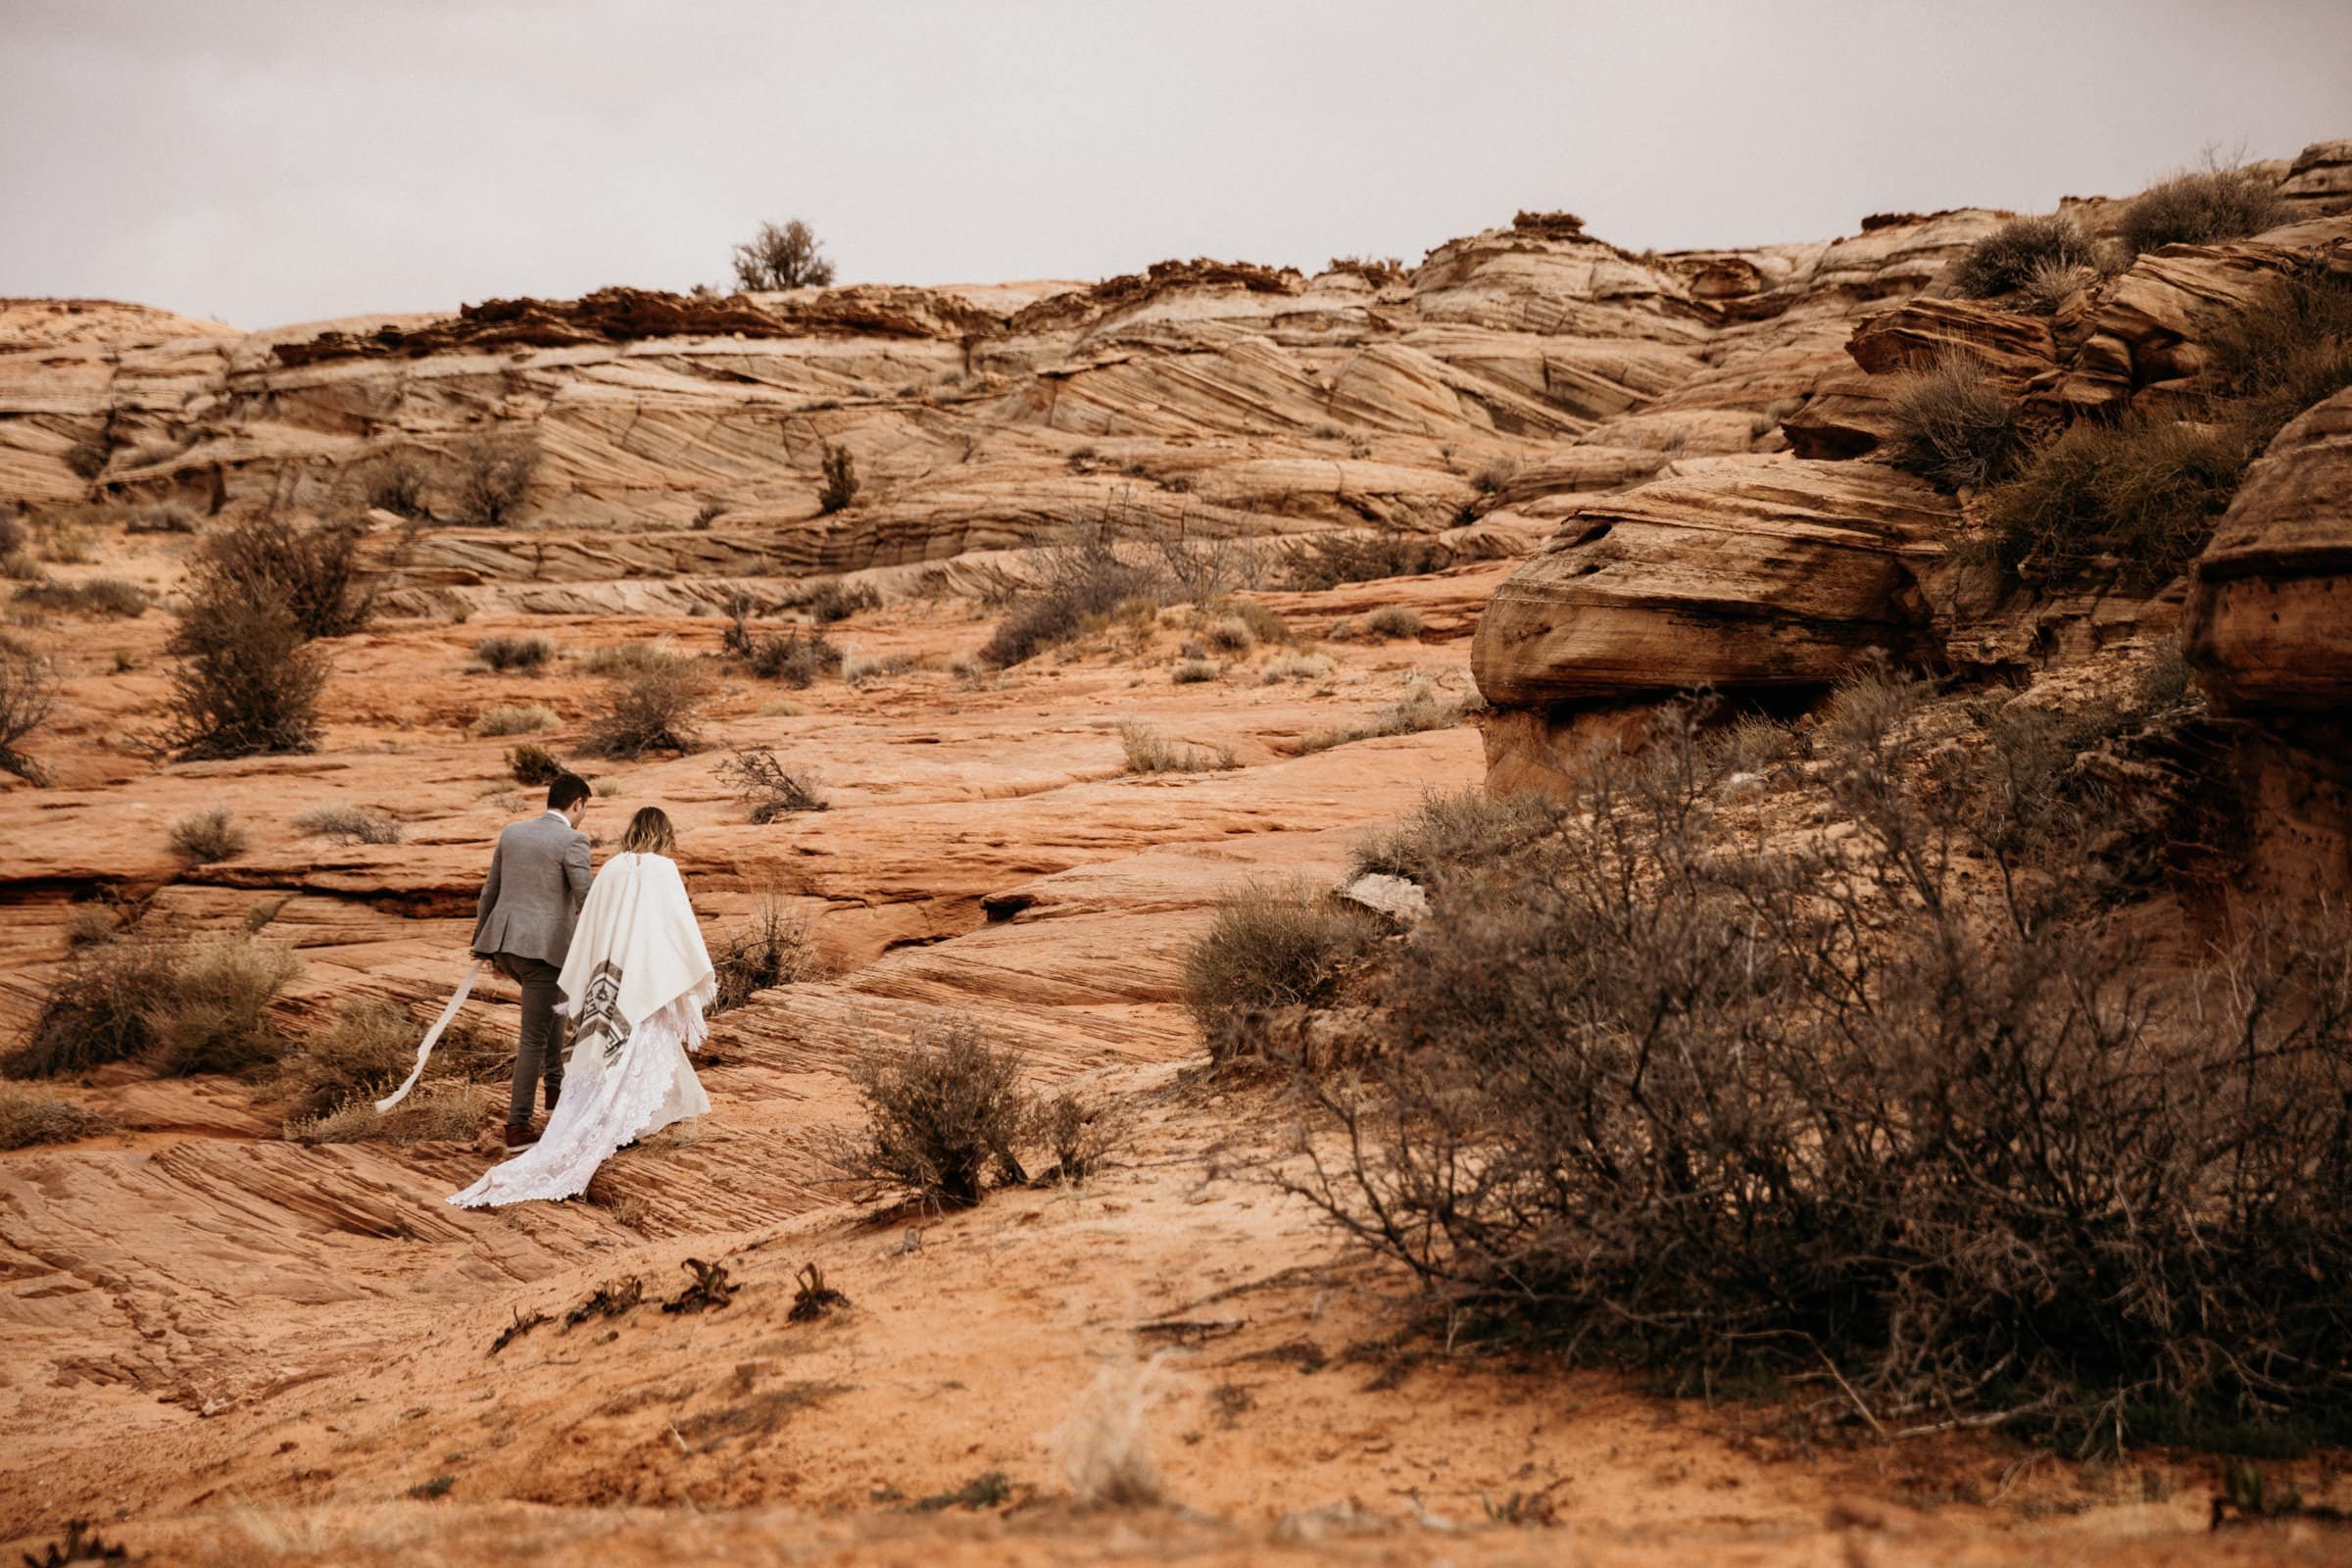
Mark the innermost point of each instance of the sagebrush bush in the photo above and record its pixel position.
(28, 1117)
(766, 786)
(939, 1118)
(507, 653)
(489, 477)
(1149, 751)
(316, 572)
(1392, 621)
(1468, 830)
(395, 482)
(1080, 1133)
(248, 679)
(1954, 424)
(1194, 671)
(2203, 208)
(92, 596)
(348, 824)
(203, 837)
(95, 1010)
(652, 708)
(774, 948)
(213, 1018)
(795, 659)
(532, 764)
(1322, 561)
(1653, 1091)
(1268, 947)
(2005, 260)
(1229, 634)
(626, 658)
(29, 689)
(1080, 579)
(830, 601)
(513, 719)
(2145, 491)
(2288, 349)
(1296, 666)
(364, 1051)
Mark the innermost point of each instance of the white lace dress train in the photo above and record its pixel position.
(603, 1105)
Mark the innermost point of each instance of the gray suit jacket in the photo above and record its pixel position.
(538, 880)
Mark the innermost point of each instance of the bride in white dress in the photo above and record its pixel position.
(635, 983)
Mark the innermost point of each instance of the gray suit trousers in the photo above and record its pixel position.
(539, 1055)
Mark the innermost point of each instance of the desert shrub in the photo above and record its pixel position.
(505, 654)
(789, 256)
(2004, 261)
(626, 658)
(1263, 622)
(28, 1117)
(2202, 207)
(1296, 666)
(364, 1051)
(654, 708)
(2290, 347)
(348, 824)
(1078, 1132)
(1420, 710)
(314, 570)
(513, 719)
(1149, 752)
(939, 1117)
(247, 679)
(1392, 621)
(1494, 476)
(212, 1018)
(203, 837)
(68, 545)
(859, 669)
(27, 700)
(774, 948)
(489, 477)
(2145, 491)
(793, 659)
(444, 1112)
(1268, 947)
(2050, 286)
(94, 1011)
(92, 596)
(1955, 425)
(1192, 671)
(767, 788)
(1080, 579)
(395, 482)
(1468, 830)
(841, 480)
(532, 765)
(1229, 634)
(1322, 561)
(158, 516)
(1202, 568)
(1654, 1092)
(830, 601)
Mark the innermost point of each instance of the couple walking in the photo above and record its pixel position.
(622, 962)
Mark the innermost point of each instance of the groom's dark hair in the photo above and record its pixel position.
(568, 788)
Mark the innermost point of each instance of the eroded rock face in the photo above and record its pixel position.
(2269, 625)
(1749, 578)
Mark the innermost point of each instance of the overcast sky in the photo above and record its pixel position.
(272, 162)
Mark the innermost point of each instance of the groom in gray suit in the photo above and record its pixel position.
(538, 880)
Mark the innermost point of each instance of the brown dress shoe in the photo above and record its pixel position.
(520, 1137)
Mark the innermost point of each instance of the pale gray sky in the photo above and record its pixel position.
(269, 163)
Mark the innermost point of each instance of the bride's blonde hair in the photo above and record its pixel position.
(650, 833)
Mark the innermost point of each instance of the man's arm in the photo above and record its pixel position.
(575, 870)
(489, 899)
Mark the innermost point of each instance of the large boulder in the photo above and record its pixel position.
(2269, 622)
(1746, 577)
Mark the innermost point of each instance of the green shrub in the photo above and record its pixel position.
(1953, 424)
(203, 837)
(2204, 208)
(2004, 261)
(1268, 947)
(2144, 491)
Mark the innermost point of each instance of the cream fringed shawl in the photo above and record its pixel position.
(635, 950)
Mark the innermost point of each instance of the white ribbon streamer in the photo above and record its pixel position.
(425, 1051)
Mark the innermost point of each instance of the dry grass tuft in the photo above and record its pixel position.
(1955, 426)
(2207, 207)
(508, 654)
(28, 1117)
(1421, 710)
(202, 838)
(213, 1018)
(1149, 752)
(1268, 947)
(2004, 261)
(350, 824)
(513, 719)
(1392, 621)
(1106, 1442)
(443, 1112)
